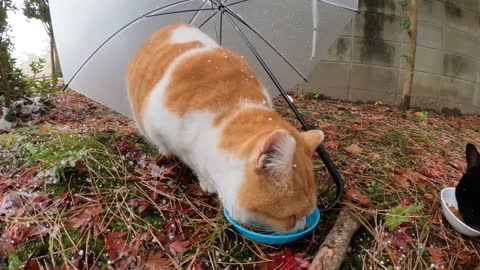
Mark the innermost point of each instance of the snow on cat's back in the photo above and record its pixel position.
(204, 104)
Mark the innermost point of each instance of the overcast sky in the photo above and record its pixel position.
(29, 37)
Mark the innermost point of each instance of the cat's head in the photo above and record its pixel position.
(280, 189)
(468, 189)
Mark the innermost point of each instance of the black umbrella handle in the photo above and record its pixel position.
(320, 150)
(335, 175)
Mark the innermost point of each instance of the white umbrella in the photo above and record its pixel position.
(281, 39)
(96, 39)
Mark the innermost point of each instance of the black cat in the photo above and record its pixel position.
(467, 192)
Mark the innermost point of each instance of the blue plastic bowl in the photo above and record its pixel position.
(269, 239)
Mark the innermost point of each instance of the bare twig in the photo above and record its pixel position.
(333, 250)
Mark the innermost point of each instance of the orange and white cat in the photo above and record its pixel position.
(203, 104)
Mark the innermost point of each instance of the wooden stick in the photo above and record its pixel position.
(332, 252)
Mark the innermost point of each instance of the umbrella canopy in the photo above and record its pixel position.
(281, 38)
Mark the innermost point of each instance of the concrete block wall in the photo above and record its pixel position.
(366, 62)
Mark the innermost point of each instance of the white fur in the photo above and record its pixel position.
(268, 100)
(280, 165)
(322, 135)
(186, 34)
(300, 226)
(193, 138)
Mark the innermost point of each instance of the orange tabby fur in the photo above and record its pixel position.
(274, 190)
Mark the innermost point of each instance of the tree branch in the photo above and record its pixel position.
(332, 252)
(410, 67)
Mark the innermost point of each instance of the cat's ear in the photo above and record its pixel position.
(473, 157)
(275, 156)
(313, 138)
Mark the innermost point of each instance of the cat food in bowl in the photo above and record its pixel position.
(276, 239)
(451, 213)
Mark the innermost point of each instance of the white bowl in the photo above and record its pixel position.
(448, 198)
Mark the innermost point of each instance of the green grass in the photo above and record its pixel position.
(14, 261)
(8, 140)
(34, 247)
(153, 218)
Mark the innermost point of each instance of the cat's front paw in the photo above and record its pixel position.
(207, 186)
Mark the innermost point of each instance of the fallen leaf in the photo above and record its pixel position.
(42, 202)
(374, 156)
(356, 195)
(288, 260)
(135, 242)
(84, 215)
(464, 257)
(354, 149)
(99, 226)
(436, 255)
(263, 266)
(26, 179)
(177, 247)
(329, 133)
(124, 147)
(142, 204)
(402, 180)
(20, 231)
(406, 174)
(5, 184)
(32, 265)
(331, 145)
(129, 150)
(301, 262)
(168, 173)
(28, 172)
(435, 172)
(400, 238)
(357, 168)
(405, 202)
(156, 261)
(115, 244)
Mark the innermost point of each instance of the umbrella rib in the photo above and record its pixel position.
(236, 3)
(195, 15)
(116, 33)
(208, 19)
(176, 12)
(221, 27)
(214, 21)
(266, 68)
(220, 8)
(240, 19)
